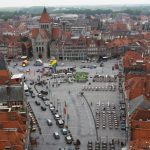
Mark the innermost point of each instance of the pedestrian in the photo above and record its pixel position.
(112, 141)
(118, 141)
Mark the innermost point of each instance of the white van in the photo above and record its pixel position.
(49, 122)
(62, 75)
(55, 75)
(69, 74)
(26, 89)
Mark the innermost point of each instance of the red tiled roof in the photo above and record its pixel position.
(140, 133)
(43, 33)
(45, 17)
(13, 124)
(34, 33)
(9, 121)
(134, 87)
(11, 139)
(10, 116)
(118, 42)
(130, 57)
(118, 26)
(56, 32)
(137, 86)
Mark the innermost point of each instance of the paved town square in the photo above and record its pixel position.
(81, 101)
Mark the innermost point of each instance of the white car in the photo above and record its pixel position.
(46, 103)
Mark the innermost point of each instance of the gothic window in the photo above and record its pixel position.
(42, 49)
(37, 49)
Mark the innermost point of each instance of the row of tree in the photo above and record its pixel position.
(134, 11)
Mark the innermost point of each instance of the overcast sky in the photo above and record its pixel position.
(26, 3)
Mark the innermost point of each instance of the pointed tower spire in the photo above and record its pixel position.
(44, 10)
(45, 16)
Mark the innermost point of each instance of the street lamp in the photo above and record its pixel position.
(63, 50)
(49, 90)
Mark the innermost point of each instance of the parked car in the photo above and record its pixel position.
(46, 103)
(56, 135)
(37, 103)
(64, 131)
(30, 91)
(51, 107)
(32, 82)
(49, 122)
(33, 128)
(56, 116)
(68, 139)
(44, 98)
(33, 95)
(27, 93)
(40, 95)
(44, 92)
(60, 123)
(53, 111)
(43, 108)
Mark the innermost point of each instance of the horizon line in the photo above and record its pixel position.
(75, 5)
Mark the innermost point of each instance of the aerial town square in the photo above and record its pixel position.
(74, 80)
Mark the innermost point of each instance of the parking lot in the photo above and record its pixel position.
(95, 113)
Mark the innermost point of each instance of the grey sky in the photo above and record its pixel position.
(26, 3)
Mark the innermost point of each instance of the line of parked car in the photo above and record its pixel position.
(61, 124)
(100, 88)
(110, 113)
(104, 145)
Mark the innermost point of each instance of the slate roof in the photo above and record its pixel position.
(13, 93)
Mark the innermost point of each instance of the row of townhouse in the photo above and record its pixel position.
(137, 97)
(14, 115)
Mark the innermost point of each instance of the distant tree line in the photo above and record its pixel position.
(134, 11)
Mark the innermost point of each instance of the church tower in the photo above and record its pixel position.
(45, 21)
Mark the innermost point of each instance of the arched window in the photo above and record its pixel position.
(37, 49)
(42, 49)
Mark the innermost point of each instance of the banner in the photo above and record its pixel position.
(65, 110)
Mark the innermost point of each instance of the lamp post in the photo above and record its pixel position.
(63, 50)
(49, 90)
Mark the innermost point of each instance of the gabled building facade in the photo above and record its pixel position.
(41, 37)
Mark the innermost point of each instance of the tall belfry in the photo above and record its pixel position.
(46, 21)
(41, 37)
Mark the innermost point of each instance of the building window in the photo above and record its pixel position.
(42, 49)
(37, 49)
